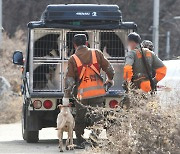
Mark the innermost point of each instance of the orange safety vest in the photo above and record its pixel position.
(90, 82)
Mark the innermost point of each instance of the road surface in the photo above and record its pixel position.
(11, 141)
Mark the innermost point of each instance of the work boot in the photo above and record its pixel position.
(80, 144)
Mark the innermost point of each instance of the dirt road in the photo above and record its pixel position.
(11, 141)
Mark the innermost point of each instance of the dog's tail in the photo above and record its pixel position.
(62, 124)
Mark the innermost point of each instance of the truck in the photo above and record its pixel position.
(49, 46)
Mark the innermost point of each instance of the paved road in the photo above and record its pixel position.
(11, 141)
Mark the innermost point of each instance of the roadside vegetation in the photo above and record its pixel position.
(147, 127)
(10, 99)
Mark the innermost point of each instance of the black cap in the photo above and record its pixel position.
(80, 39)
(134, 37)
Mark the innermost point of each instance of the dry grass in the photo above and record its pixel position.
(11, 101)
(7, 69)
(11, 110)
(145, 128)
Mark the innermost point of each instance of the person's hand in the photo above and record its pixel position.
(125, 86)
(155, 81)
(108, 84)
(110, 81)
(65, 101)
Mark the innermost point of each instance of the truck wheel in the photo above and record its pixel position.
(32, 136)
(29, 136)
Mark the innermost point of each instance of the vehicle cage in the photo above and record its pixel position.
(51, 43)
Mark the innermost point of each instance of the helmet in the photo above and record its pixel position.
(147, 44)
(134, 37)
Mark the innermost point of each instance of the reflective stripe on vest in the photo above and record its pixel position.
(89, 88)
(89, 76)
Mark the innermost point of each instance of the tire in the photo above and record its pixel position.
(29, 136)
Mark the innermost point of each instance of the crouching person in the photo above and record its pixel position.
(138, 70)
(84, 71)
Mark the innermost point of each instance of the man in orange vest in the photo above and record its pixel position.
(84, 71)
(135, 70)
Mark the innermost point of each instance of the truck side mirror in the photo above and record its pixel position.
(18, 58)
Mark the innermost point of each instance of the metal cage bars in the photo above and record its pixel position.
(50, 50)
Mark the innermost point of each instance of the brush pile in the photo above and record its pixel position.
(145, 127)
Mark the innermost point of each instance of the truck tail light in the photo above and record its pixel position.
(47, 104)
(37, 104)
(113, 104)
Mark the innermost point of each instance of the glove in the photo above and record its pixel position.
(155, 84)
(125, 85)
(155, 81)
(65, 101)
(108, 84)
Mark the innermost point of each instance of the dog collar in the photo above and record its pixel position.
(69, 105)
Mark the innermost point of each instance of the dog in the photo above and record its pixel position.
(45, 44)
(45, 47)
(46, 76)
(111, 45)
(65, 122)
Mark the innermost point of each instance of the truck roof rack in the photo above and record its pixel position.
(82, 16)
(110, 26)
(73, 12)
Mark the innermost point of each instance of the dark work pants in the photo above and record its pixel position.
(80, 120)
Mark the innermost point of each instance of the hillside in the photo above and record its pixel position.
(139, 11)
(10, 99)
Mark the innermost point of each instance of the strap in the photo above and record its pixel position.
(82, 72)
(94, 61)
(147, 68)
(79, 64)
(94, 69)
(69, 105)
(94, 58)
(78, 61)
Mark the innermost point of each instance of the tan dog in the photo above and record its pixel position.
(65, 122)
